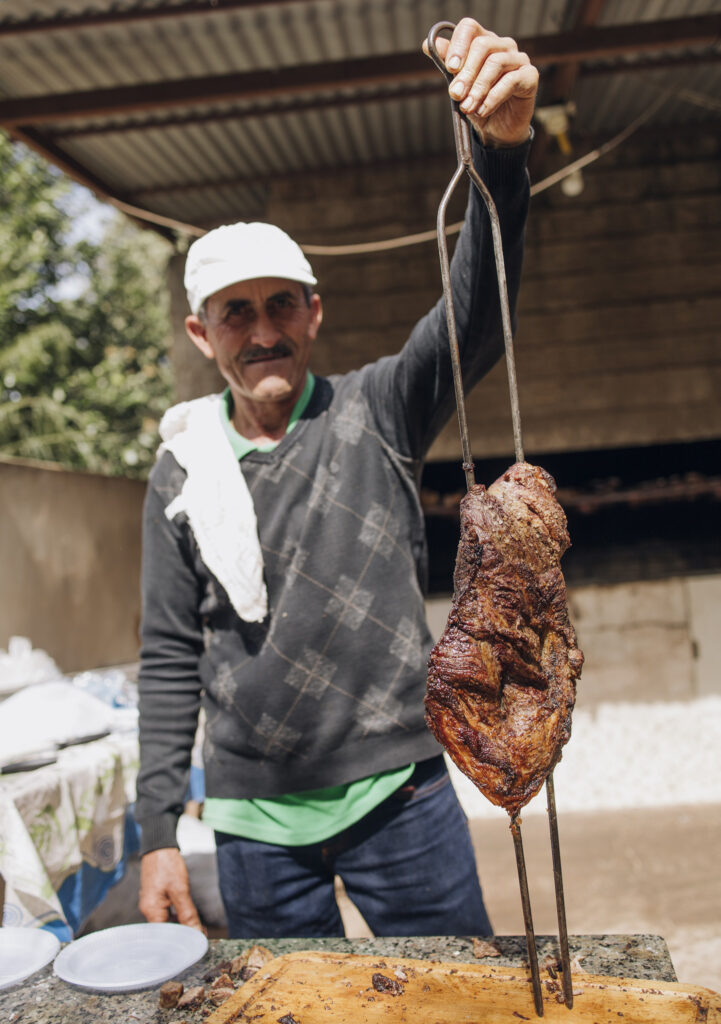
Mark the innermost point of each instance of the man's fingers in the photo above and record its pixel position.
(153, 908)
(464, 34)
(185, 909)
(157, 906)
(164, 884)
(489, 69)
(476, 58)
(441, 46)
(487, 65)
(520, 84)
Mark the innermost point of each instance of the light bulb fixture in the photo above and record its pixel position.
(555, 120)
(573, 184)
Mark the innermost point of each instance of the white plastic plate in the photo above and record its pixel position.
(23, 951)
(130, 957)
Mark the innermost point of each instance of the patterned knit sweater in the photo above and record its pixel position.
(329, 687)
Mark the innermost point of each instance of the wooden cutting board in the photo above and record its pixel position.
(346, 988)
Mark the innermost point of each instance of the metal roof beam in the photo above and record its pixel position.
(564, 77)
(652, 64)
(581, 44)
(301, 105)
(78, 173)
(101, 19)
(245, 86)
(316, 103)
(601, 42)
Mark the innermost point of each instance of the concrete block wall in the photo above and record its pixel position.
(70, 563)
(619, 310)
(644, 642)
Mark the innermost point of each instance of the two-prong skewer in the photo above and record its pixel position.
(560, 904)
(462, 136)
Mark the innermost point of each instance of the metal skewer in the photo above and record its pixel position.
(560, 900)
(527, 915)
(462, 136)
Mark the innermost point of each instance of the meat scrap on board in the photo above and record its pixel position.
(502, 677)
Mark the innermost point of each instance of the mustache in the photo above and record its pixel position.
(259, 352)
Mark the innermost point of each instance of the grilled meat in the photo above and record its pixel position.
(502, 678)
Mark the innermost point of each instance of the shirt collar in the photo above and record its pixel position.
(241, 445)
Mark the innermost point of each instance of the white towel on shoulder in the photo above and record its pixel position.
(217, 502)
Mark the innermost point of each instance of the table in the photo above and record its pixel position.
(66, 831)
(44, 999)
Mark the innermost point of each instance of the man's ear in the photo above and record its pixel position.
(316, 309)
(198, 335)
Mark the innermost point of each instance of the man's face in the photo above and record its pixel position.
(260, 334)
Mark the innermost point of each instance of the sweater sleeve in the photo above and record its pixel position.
(168, 683)
(412, 392)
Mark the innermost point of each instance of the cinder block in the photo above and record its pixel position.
(636, 641)
(640, 662)
(704, 601)
(662, 602)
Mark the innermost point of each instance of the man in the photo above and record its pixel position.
(283, 573)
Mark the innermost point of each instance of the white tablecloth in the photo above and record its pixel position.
(62, 820)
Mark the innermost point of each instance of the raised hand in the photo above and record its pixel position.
(494, 83)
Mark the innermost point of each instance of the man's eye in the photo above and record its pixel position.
(238, 316)
(281, 304)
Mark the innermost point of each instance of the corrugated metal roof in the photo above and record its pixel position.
(188, 108)
(606, 105)
(270, 35)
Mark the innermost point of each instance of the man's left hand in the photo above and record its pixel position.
(494, 82)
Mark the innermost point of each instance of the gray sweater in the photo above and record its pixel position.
(329, 688)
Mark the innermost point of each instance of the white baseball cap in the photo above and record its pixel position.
(242, 252)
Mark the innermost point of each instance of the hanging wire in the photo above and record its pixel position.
(359, 248)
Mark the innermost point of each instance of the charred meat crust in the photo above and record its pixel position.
(502, 677)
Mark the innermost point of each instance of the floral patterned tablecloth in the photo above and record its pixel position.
(65, 832)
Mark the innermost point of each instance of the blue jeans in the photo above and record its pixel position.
(408, 866)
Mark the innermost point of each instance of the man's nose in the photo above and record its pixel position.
(265, 332)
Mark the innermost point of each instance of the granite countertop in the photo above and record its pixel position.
(45, 999)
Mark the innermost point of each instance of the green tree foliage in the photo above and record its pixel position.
(84, 327)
